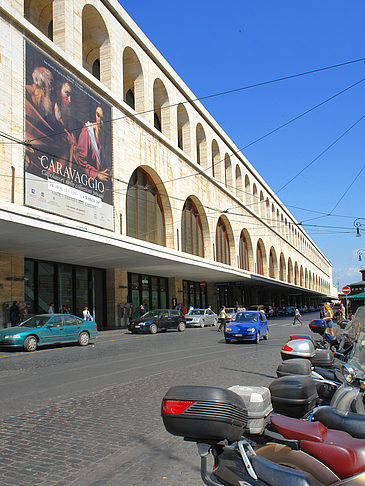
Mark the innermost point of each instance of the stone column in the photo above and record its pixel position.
(117, 294)
(175, 290)
(11, 282)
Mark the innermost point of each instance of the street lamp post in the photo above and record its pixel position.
(358, 225)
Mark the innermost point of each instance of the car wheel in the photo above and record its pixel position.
(257, 338)
(84, 338)
(153, 329)
(202, 324)
(228, 341)
(181, 327)
(30, 344)
(266, 337)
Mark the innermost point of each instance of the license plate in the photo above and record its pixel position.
(137, 326)
(239, 335)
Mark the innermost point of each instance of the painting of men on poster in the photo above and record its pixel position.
(68, 162)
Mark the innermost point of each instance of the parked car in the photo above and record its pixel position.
(231, 312)
(46, 329)
(247, 326)
(289, 310)
(257, 307)
(158, 320)
(282, 311)
(201, 318)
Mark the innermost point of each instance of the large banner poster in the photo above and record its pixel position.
(68, 161)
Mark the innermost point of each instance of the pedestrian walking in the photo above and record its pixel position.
(223, 317)
(328, 316)
(342, 311)
(14, 314)
(86, 314)
(297, 317)
(142, 310)
(51, 308)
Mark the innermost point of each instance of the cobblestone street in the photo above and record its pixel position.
(113, 435)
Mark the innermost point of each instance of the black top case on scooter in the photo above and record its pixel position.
(297, 366)
(323, 358)
(293, 396)
(204, 413)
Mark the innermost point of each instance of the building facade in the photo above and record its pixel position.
(119, 188)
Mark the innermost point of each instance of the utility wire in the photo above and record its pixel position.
(221, 93)
(322, 153)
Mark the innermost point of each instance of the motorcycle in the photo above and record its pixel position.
(251, 448)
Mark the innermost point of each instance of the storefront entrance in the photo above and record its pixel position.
(70, 288)
(150, 291)
(194, 294)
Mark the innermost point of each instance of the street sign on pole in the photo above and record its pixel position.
(346, 290)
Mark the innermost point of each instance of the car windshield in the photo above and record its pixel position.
(152, 314)
(196, 312)
(246, 317)
(35, 321)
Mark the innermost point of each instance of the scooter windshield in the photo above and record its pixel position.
(357, 357)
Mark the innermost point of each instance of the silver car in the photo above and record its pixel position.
(201, 318)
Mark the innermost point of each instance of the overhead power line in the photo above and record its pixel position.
(222, 93)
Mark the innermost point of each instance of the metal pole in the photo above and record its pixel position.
(347, 307)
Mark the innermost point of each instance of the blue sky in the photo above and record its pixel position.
(215, 46)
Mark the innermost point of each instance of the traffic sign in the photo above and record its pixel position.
(346, 290)
(202, 284)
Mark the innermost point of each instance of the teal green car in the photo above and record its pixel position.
(47, 329)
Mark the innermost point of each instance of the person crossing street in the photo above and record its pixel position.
(297, 317)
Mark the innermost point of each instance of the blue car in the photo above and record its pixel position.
(247, 326)
(46, 329)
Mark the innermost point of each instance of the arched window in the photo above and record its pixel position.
(161, 111)
(133, 89)
(191, 230)
(228, 172)
(40, 14)
(259, 260)
(95, 70)
(255, 198)
(247, 191)
(272, 264)
(244, 256)
(290, 271)
(50, 30)
(216, 161)
(145, 215)
(267, 212)
(183, 129)
(201, 146)
(95, 45)
(282, 268)
(262, 205)
(296, 274)
(222, 243)
(238, 182)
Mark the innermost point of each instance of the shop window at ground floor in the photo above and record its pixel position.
(150, 291)
(69, 287)
(194, 294)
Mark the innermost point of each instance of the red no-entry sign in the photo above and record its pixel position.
(346, 290)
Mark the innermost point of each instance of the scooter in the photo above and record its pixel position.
(284, 451)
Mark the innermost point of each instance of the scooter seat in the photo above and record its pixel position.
(338, 450)
(295, 429)
(352, 423)
(277, 475)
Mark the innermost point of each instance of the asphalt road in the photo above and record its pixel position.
(91, 416)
